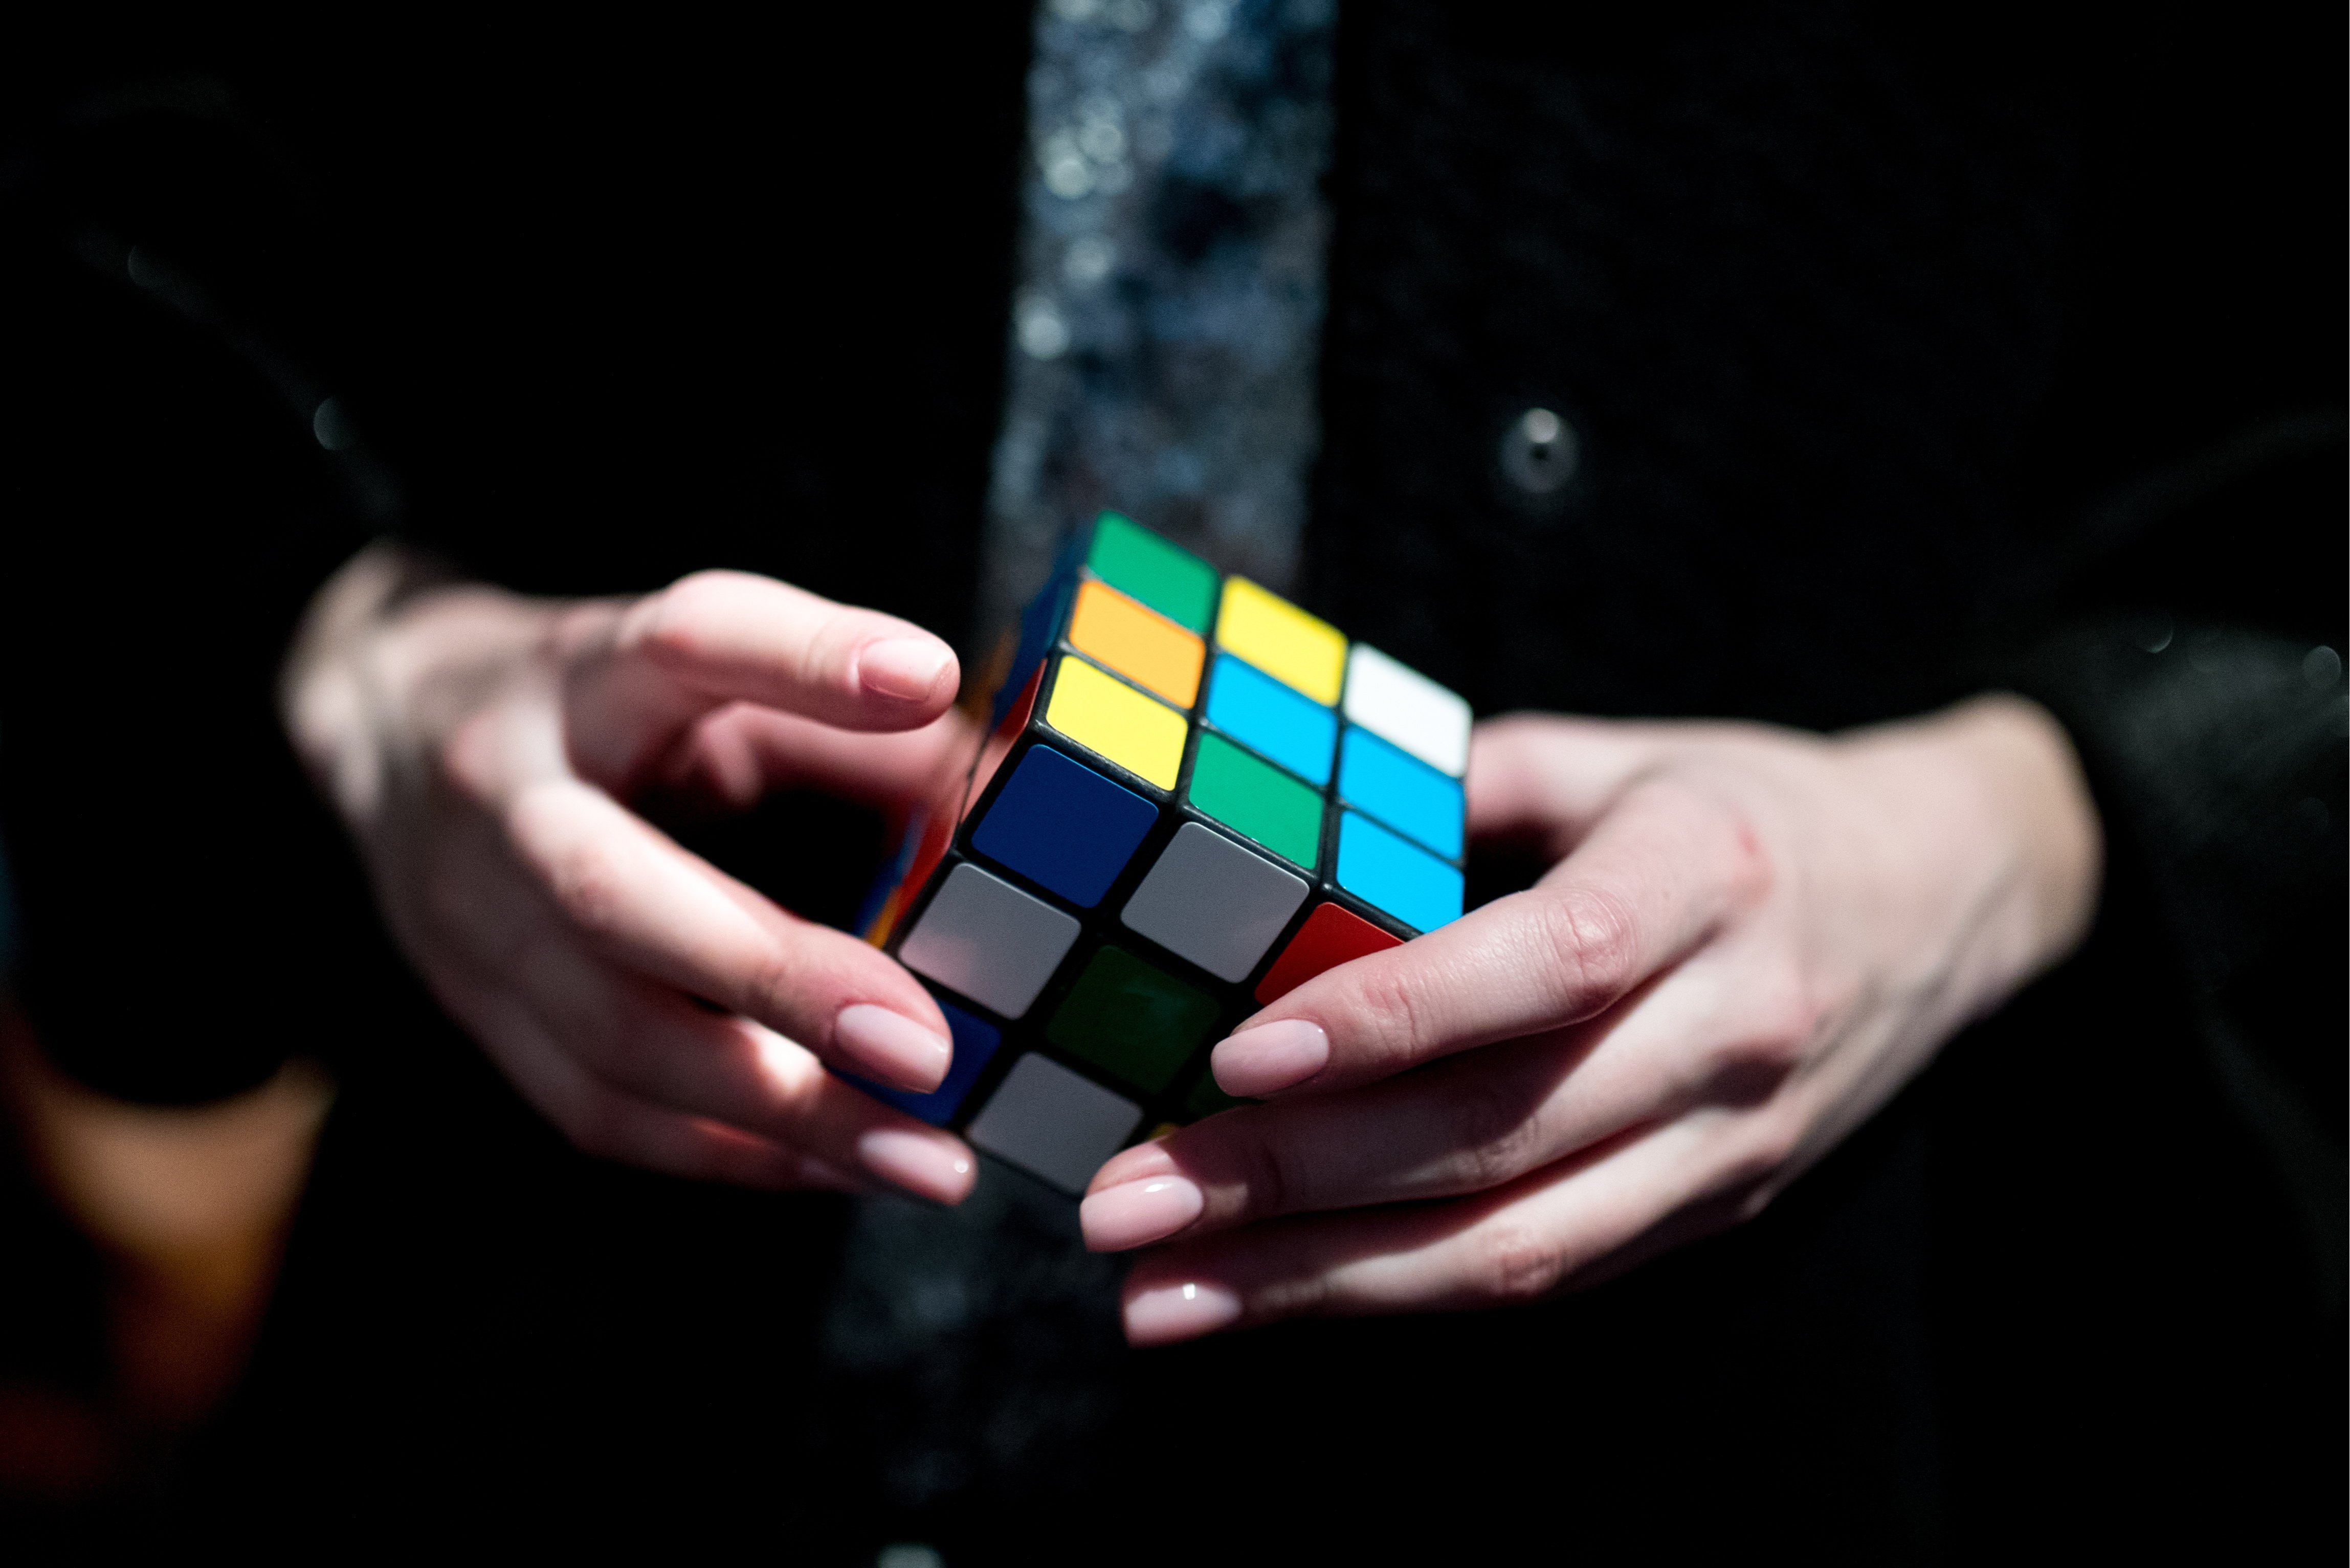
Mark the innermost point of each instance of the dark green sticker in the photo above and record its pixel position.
(1256, 798)
(1125, 1015)
(1141, 565)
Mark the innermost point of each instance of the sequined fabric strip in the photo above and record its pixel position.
(1168, 315)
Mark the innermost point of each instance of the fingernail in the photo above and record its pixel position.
(892, 1047)
(1168, 1312)
(925, 1165)
(906, 668)
(1269, 1058)
(1139, 1213)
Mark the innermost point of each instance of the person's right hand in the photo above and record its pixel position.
(483, 748)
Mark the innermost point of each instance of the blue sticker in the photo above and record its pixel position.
(1401, 790)
(975, 1040)
(1396, 875)
(1272, 719)
(1063, 827)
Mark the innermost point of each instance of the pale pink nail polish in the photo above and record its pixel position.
(925, 1164)
(892, 1047)
(906, 668)
(1269, 1058)
(1166, 1314)
(1139, 1212)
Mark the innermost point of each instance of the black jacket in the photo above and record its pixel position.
(1905, 356)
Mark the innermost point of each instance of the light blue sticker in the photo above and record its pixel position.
(1272, 719)
(1386, 870)
(1401, 790)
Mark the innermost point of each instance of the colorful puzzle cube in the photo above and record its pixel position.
(1195, 797)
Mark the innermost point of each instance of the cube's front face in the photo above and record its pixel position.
(1198, 797)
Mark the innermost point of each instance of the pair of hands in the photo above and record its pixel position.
(1749, 940)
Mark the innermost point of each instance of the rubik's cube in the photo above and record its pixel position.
(1195, 796)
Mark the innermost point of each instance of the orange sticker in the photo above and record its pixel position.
(1141, 645)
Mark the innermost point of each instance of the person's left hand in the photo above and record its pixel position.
(1750, 939)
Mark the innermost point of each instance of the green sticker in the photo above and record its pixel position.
(1256, 798)
(1141, 565)
(1132, 1018)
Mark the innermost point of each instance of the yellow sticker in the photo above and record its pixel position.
(1282, 640)
(1105, 714)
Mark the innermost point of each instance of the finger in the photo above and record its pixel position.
(1703, 1034)
(652, 1044)
(739, 753)
(716, 638)
(632, 895)
(1658, 873)
(603, 1121)
(1539, 776)
(1567, 1225)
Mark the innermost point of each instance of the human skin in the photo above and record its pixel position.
(484, 749)
(1749, 939)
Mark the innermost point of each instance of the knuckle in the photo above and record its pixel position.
(1594, 939)
(1520, 1264)
(1491, 1131)
(774, 988)
(1771, 1037)
(588, 885)
(1389, 1019)
(834, 632)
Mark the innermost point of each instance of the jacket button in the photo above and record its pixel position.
(1539, 452)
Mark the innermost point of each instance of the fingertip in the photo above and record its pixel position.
(1138, 1213)
(1132, 1165)
(892, 1048)
(925, 1163)
(1179, 1310)
(915, 668)
(734, 636)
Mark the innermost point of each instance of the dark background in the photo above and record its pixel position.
(1908, 358)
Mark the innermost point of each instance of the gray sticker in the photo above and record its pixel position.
(1052, 1122)
(988, 940)
(1214, 902)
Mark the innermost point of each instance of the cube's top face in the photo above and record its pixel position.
(1242, 710)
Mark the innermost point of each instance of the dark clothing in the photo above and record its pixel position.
(1907, 357)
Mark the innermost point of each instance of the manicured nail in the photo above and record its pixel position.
(906, 668)
(1139, 1213)
(892, 1047)
(927, 1165)
(1168, 1312)
(1269, 1058)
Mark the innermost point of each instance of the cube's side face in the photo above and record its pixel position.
(1196, 798)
